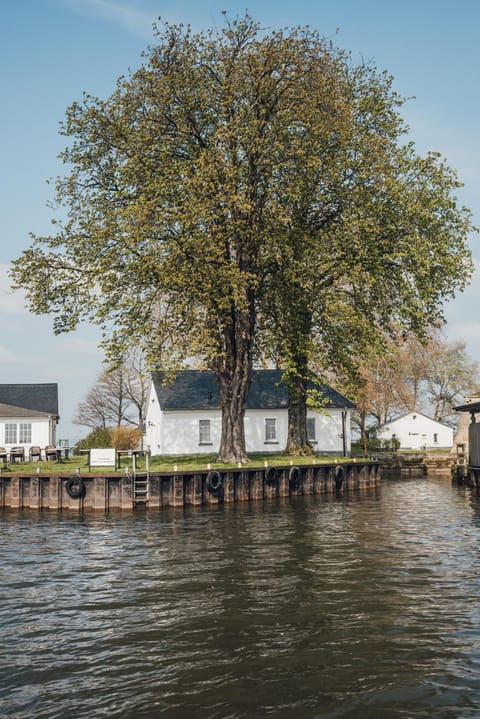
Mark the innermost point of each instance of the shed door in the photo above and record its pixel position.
(417, 440)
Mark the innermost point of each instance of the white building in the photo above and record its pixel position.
(28, 415)
(184, 417)
(417, 431)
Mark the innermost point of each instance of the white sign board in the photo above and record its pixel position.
(105, 457)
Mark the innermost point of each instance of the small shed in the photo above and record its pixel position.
(417, 431)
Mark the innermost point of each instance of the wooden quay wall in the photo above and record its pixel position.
(178, 489)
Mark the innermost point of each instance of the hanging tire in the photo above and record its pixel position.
(294, 476)
(271, 475)
(214, 481)
(339, 476)
(75, 487)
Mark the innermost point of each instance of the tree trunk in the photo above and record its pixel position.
(297, 439)
(234, 377)
(296, 375)
(364, 437)
(232, 443)
(362, 423)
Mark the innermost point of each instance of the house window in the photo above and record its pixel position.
(10, 434)
(204, 431)
(435, 438)
(311, 429)
(270, 429)
(25, 433)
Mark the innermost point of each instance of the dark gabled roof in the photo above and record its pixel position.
(198, 389)
(37, 398)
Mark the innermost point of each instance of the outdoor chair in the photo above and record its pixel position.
(17, 454)
(3, 456)
(35, 453)
(51, 453)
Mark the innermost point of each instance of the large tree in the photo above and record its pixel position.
(232, 165)
(373, 249)
(175, 189)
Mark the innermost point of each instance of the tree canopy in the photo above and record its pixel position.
(246, 191)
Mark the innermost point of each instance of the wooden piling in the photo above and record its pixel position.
(115, 492)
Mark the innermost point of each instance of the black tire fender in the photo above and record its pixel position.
(339, 476)
(271, 475)
(294, 475)
(214, 481)
(75, 487)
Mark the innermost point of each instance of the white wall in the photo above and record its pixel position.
(177, 432)
(255, 440)
(40, 432)
(329, 429)
(180, 432)
(416, 431)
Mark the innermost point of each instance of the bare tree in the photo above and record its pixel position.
(406, 374)
(452, 374)
(118, 397)
(136, 382)
(434, 375)
(94, 411)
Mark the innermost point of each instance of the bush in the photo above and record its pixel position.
(99, 437)
(125, 438)
(119, 437)
(383, 445)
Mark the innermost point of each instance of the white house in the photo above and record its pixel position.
(28, 415)
(184, 417)
(417, 431)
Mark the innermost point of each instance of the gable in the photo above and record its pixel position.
(407, 420)
(198, 390)
(31, 399)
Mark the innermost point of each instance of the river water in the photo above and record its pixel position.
(362, 605)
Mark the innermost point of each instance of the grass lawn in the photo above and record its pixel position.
(161, 464)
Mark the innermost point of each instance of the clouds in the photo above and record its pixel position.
(30, 352)
(6, 356)
(467, 333)
(12, 304)
(125, 14)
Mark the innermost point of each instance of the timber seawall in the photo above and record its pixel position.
(159, 490)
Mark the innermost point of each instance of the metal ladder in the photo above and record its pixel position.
(141, 484)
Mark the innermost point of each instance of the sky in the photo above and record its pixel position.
(52, 51)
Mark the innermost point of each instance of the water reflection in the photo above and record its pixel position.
(360, 605)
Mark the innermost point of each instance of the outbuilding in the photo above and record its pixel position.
(28, 415)
(184, 416)
(417, 431)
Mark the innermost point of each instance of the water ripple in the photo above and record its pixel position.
(361, 605)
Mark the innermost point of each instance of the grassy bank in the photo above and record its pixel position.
(160, 463)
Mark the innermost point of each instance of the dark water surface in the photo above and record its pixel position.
(364, 605)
